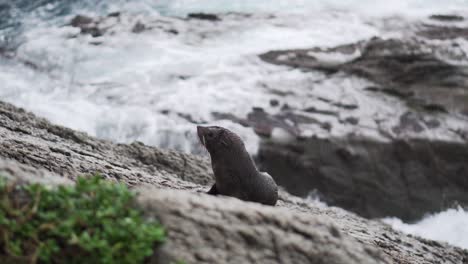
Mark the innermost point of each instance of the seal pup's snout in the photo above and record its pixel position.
(201, 135)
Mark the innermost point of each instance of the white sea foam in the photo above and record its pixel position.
(450, 226)
(153, 86)
(368, 7)
(119, 89)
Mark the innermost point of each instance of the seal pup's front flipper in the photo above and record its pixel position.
(213, 190)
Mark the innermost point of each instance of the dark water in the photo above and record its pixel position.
(13, 12)
(17, 15)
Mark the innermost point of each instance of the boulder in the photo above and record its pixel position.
(406, 179)
(204, 16)
(411, 69)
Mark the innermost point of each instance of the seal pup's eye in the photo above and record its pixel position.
(210, 134)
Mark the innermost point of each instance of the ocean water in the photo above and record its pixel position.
(153, 86)
(450, 226)
(377, 8)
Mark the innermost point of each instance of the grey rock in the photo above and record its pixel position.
(36, 142)
(287, 119)
(410, 69)
(447, 18)
(231, 231)
(23, 174)
(80, 21)
(87, 25)
(443, 32)
(138, 27)
(274, 102)
(204, 16)
(407, 179)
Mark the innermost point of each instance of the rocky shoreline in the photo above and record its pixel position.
(295, 231)
(420, 166)
(403, 178)
(416, 165)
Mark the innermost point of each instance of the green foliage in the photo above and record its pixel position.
(93, 221)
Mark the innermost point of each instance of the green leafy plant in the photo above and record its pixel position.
(93, 221)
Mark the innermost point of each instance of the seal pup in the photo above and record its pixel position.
(234, 170)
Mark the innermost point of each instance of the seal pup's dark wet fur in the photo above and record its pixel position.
(234, 170)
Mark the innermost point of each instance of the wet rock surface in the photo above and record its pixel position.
(409, 173)
(406, 68)
(230, 230)
(407, 179)
(87, 25)
(437, 32)
(447, 18)
(263, 122)
(204, 16)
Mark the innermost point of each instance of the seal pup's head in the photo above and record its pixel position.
(218, 139)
